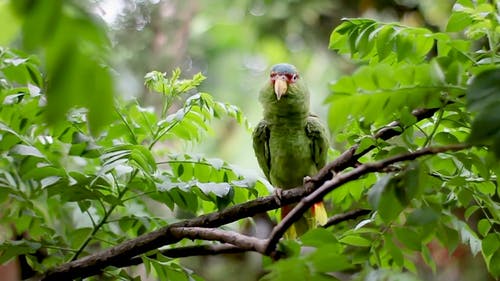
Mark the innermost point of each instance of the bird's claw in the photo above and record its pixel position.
(307, 179)
(278, 194)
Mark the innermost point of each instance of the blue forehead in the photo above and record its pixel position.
(284, 68)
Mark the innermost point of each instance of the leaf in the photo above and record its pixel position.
(469, 211)
(355, 240)
(26, 150)
(377, 93)
(424, 216)
(318, 237)
(458, 22)
(494, 264)
(220, 189)
(483, 96)
(394, 251)
(361, 37)
(43, 172)
(384, 198)
(483, 227)
(490, 244)
(467, 235)
(409, 238)
(483, 90)
(12, 249)
(79, 235)
(291, 269)
(322, 259)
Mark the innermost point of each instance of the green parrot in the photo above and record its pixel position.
(290, 144)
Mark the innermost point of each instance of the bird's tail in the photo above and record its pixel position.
(319, 214)
(315, 218)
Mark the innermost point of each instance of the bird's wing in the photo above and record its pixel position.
(261, 146)
(316, 132)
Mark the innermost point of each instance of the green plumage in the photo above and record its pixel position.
(289, 142)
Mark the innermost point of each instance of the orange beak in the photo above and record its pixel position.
(280, 87)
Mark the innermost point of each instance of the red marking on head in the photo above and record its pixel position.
(290, 78)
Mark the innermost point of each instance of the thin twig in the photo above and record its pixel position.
(341, 178)
(346, 216)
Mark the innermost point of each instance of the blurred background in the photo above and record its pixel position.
(234, 43)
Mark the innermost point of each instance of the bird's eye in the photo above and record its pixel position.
(273, 74)
(295, 77)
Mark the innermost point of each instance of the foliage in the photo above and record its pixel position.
(67, 191)
(74, 64)
(72, 193)
(403, 68)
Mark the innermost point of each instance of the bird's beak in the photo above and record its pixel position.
(280, 87)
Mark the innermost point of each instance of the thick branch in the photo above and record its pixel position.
(122, 253)
(219, 249)
(93, 264)
(189, 251)
(341, 178)
(214, 234)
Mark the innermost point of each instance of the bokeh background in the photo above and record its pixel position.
(234, 43)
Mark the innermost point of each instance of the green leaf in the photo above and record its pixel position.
(494, 264)
(445, 138)
(483, 96)
(220, 189)
(291, 269)
(490, 244)
(355, 240)
(12, 249)
(458, 22)
(483, 90)
(483, 227)
(383, 197)
(409, 238)
(394, 251)
(322, 259)
(471, 210)
(427, 257)
(424, 216)
(377, 93)
(79, 235)
(26, 150)
(318, 237)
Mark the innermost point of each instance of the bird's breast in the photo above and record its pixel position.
(290, 155)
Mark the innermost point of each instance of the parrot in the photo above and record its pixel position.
(290, 143)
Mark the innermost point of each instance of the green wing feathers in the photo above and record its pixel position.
(319, 151)
(261, 147)
(319, 141)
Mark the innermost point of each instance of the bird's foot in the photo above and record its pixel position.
(307, 179)
(278, 194)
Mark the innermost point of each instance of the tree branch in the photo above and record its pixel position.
(341, 178)
(351, 156)
(241, 241)
(189, 251)
(119, 254)
(122, 253)
(346, 216)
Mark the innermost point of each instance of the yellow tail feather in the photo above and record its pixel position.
(319, 214)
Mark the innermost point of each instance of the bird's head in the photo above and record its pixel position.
(282, 76)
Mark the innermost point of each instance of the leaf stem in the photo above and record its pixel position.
(434, 129)
(103, 220)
